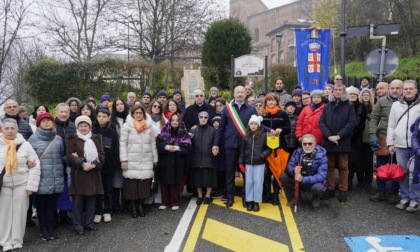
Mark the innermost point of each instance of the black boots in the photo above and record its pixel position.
(137, 208)
(133, 208)
(140, 204)
(275, 199)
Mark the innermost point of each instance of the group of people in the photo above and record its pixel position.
(92, 160)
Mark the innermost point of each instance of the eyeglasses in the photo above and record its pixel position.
(258, 105)
(307, 144)
(338, 79)
(11, 107)
(199, 95)
(203, 117)
(138, 113)
(156, 106)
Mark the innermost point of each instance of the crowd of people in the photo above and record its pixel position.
(93, 160)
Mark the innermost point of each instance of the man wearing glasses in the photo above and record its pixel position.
(11, 109)
(338, 79)
(308, 166)
(191, 113)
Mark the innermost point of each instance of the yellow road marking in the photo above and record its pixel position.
(266, 210)
(292, 228)
(195, 229)
(238, 240)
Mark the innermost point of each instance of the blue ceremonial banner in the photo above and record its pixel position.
(312, 54)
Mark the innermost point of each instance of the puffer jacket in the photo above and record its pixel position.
(202, 142)
(253, 149)
(139, 150)
(308, 123)
(338, 118)
(52, 169)
(23, 174)
(319, 166)
(398, 133)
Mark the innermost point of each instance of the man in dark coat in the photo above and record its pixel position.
(11, 109)
(336, 123)
(191, 113)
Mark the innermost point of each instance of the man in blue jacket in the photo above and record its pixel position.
(309, 166)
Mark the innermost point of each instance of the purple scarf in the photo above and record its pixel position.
(174, 136)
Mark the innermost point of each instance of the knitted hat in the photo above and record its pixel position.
(146, 93)
(292, 103)
(105, 97)
(329, 85)
(297, 86)
(83, 118)
(42, 116)
(256, 119)
(216, 119)
(176, 91)
(91, 99)
(262, 93)
(297, 92)
(352, 90)
(214, 89)
(258, 101)
(317, 92)
(162, 93)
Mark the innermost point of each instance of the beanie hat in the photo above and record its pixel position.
(146, 93)
(83, 118)
(91, 99)
(317, 92)
(105, 97)
(352, 90)
(256, 119)
(216, 119)
(42, 116)
(297, 86)
(176, 91)
(291, 103)
(262, 93)
(214, 89)
(258, 101)
(330, 85)
(297, 92)
(162, 93)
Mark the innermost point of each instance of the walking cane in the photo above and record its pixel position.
(296, 193)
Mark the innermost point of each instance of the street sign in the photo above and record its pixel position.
(379, 30)
(373, 62)
(246, 65)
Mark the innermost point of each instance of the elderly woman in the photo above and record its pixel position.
(86, 156)
(203, 172)
(138, 157)
(173, 145)
(19, 182)
(50, 150)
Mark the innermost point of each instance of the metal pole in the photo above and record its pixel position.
(232, 72)
(266, 74)
(128, 42)
(343, 38)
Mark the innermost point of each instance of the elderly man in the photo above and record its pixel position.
(337, 122)
(309, 166)
(381, 89)
(131, 98)
(191, 113)
(280, 92)
(378, 126)
(11, 110)
(338, 79)
(403, 114)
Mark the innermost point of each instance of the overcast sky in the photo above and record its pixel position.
(276, 3)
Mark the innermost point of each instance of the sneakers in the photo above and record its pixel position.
(342, 197)
(17, 246)
(97, 218)
(107, 217)
(377, 197)
(162, 207)
(175, 208)
(7, 247)
(403, 204)
(412, 207)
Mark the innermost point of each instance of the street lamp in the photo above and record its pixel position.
(279, 35)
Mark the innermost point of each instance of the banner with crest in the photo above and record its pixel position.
(312, 54)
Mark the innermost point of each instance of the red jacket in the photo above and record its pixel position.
(307, 123)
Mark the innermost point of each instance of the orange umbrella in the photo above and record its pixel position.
(277, 160)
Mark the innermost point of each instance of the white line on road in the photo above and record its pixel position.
(182, 228)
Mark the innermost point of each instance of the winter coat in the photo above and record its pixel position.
(84, 182)
(111, 144)
(191, 114)
(52, 169)
(63, 129)
(319, 166)
(415, 137)
(24, 128)
(32, 123)
(202, 143)
(291, 140)
(308, 123)
(337, 118)
(227, 129)
(138, 149)
(253, 149)
(398, 133)
(279, 120)
(22, 175)
(378, 123)
(357, 134)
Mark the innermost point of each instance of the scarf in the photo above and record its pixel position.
(393, 99)
(89, 150)
(175, 136)
(11, 156)
(315, 106)
(272, 111)
(140, 126)
(155, 118)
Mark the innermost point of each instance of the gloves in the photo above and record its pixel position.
(242, 168)
(262, 156)
(373, 141)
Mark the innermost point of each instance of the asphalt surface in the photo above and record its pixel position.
(323, 229)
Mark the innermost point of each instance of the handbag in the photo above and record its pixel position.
(383, 148)
(4, 169)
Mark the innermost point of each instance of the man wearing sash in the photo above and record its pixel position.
(234, 117)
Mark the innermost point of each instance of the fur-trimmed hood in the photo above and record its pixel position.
(344, 98)
(372, 96)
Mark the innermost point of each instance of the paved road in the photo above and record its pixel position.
(216, 228)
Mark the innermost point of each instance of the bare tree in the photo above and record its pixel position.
(75, 27)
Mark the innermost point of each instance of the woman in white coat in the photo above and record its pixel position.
(138, 155)
(21, 178)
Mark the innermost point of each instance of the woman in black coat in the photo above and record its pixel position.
(173, 145)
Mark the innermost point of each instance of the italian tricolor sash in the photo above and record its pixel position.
(236, 119)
